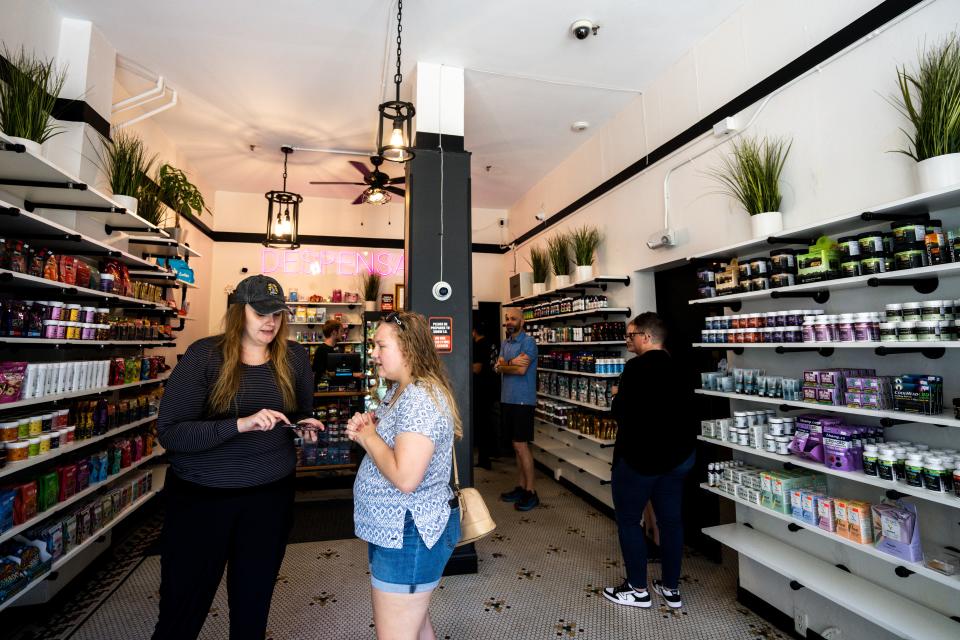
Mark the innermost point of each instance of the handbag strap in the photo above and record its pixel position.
(456, 474)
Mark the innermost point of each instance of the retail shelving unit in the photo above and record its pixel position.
(908, 599)
(581, 459)
(40, 203)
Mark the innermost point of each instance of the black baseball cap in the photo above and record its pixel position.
(263, 293)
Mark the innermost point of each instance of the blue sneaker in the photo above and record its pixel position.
(513, 496)
(528, 502)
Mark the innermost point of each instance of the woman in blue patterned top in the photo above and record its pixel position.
(403, 505)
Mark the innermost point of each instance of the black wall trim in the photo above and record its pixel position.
(429, 140)
(862, 26)
(482, 247)
(68, 110)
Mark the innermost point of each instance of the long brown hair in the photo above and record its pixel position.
(228, 382)
(416, 344)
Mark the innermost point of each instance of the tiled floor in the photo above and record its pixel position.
(539, 578)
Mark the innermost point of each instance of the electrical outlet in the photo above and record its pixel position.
(800, 623)
(502, 221)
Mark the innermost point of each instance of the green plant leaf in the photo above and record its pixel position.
(370, 285)
(28, 96)
(539, 263)
(584, 242)
(751, 173)
(558, 248)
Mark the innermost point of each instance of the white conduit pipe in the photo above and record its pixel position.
(140, 103)
(149, 114)
(142, 98)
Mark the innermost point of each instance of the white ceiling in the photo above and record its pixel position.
(309, 73)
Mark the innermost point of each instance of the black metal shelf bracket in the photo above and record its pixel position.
(890, 422)
(604, 482)
(789, 466)
(787, 407)
(784, 240)
(109, 229)
(16, 147)
(933, 353)
(31, 206)
(43, 184)
(10, 211)
(748, 525)
(893, 494)
(737, 350)
(819, 296)
(793, 527)
(920, 285)
(903, 572)
(826, 352)
(843, 567)
(606, 446)
(870, 216)
(796, 586)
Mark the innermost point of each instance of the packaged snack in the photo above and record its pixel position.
(114, 460)
(48, 490)
(51, 268)
(117, 371)
(25, 505)
(68, 481)
(68, 274)
(18, 261)
(69, 532)
(826, 510)
(126, 454)
(897, 530)
(84, 529)
(83, 474)
(840, 517)
(7, 499)
(35, 261)
(11, 381)
(82, 274)
(96, 516)
(107, 508)
(11, 580)
(52, 536)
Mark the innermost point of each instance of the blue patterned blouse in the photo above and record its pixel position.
(378, 506)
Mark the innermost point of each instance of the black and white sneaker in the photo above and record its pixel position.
(672, 596)
(627, 595)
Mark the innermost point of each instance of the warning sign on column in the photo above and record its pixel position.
(442, 330)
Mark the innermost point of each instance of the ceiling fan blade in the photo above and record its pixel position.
(397, 180)
(359, 184)
(359, 200)
(399, 192)
(362, 168)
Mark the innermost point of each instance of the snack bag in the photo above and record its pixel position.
(48, 490)
(25, 505)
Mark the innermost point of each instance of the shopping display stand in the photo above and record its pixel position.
(581, 459)
(908, 599)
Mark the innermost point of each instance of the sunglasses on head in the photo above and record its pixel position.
(395, 318)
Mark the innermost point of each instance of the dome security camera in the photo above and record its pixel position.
(581, 29)
(541, 216)
(442, 291)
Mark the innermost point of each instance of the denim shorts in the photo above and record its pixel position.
(413, 568)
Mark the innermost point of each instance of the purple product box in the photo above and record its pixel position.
(897, 530)
(829, 396)
(854, 384)
(809, 394)
(853, 399)
(811, 378)
(839, 448)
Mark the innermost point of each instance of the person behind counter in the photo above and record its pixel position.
(403, 504)
(332, 333)
(654, 451)
(225, 421)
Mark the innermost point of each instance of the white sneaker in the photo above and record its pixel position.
(628, 596)
(672, 596)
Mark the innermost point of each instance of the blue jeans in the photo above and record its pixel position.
(413, 568)
(631, 492)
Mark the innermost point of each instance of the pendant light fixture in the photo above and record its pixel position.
(283, 213)
(376, 195)
(397, 114)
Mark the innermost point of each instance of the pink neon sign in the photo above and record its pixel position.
(342, 263)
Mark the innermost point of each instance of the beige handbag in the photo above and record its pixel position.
(475, 520)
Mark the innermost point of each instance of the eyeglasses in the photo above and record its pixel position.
(634, 334)
(395, 318)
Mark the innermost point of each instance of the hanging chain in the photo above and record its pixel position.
(285, 156)
(398, 78)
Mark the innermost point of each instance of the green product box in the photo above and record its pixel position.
(48, 490)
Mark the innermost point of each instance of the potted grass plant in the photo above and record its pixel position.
(930, 99)
(149, 204)
(540, 265)
(181, 195)
(558, 248)
(126, 164)
(583, 243)
(27, 98)
(370, 287)
(751, 175)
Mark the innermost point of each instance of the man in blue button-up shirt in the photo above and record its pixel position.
(518, 366)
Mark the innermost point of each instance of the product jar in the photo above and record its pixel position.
(770, 443)
(106, 282)
(54, 310)
(102, 316)
(807, 331)
(50, 329)
(794, 318)
(776, 334)
(789, 425)
(9, 431)
(912, 311)
(907, 232)
(873, 265)
(845, 332)
(870, 459)
(72, 312)
(760, 267)
(44, 446)
(36, 426)
(887, 465)
(740, 419)
(914, 470)
(907, 331)
(823, 330)
(17, 451)
(849, 246)
(54, 439)
(783, 445)
(911, 256)
(888, 331)
(776, 426)
(935, 475)
(784, 261)
(87, 314)
(863, 328)
(850, 268)
(743, 437)
(894, 312)
(947, 330)
(33, 448)
(927, 331)
(871, 243)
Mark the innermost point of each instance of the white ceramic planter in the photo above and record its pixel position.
(539, 288)
(768, 223)
(584, 273)
(175, 233)
(369, 305)
(127, 202)
(32, 147)
(934, 174)
(559, 282)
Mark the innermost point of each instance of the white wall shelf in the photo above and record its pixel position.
(585, 345)
(79, 394)
(15, 279)
(600, 282)
(601, 442)
(867, 549)
(944, 270)
(16, 467)
(80, 495)
(73, 553)
(597, 468)
(571, 401)
(945, 419)
(163, 247)
(69, 193)
(917, 492)
(581, 373)
(899, 615)
(829, 345)
(46, 342)
(613, 311)
(849, 221)
(323, 304)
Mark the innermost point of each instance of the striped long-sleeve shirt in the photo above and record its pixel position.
(207, 449)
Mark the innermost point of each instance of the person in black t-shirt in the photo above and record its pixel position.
(654, 451)
(331, 336)
(485, 354)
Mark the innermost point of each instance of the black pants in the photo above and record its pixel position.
(485, 427)
(207, 530)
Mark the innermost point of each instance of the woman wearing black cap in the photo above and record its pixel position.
(225, 422)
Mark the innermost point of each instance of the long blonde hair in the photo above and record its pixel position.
(416, 344)
(225, 390)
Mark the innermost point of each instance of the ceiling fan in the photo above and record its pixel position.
(377, 182)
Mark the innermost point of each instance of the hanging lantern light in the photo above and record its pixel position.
(283, 213)
(397, 114)
(376, 195)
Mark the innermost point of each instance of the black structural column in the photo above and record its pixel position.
(438, 242)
